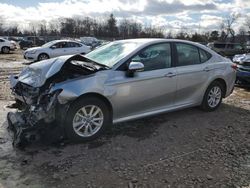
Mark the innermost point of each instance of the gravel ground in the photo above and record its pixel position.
(188, 148)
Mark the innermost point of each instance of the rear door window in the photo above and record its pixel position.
(72, 45)
(187, 54)
(61, 45)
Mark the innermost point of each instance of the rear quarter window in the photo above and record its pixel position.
(204, 55)
(187, 54)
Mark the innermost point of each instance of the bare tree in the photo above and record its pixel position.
(214, 35)
(227, 26)
(248, 24)
(1, 26)
(242, 35)
(170, 35)
(124, 28)
(42, 31)
(112, 26)
(130, 29)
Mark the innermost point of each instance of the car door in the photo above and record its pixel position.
(193, 71)
(59, 49)
(147, 91)
(72, 48)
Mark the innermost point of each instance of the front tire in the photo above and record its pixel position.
(5, 50)
(42, 56)
(213, 97)
(87, 119)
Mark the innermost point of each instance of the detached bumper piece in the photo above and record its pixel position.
(23, 133)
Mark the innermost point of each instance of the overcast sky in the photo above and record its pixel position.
(195, 15)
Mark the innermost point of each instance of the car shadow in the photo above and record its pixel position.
(139, 130)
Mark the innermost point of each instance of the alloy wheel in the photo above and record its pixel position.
(88, 120)
(6, 50)
(214, 96)
(43, 57)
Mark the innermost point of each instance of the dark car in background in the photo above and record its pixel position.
(243, 69)
(91, 41)
(227, 49)
(31, 41)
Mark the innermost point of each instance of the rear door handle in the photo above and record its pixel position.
(206, 69)
(170, 75)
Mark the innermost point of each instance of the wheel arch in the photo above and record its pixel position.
(99, 96)
(5, 47)
(43, 53)
(223, 83)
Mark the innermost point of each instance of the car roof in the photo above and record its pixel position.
(149, 41)
(64, 40)
(155, 40)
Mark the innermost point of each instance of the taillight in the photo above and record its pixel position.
(234, 66)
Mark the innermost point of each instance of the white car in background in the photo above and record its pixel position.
(56, 48)
(6, 46)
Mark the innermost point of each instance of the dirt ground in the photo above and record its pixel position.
(188, 148)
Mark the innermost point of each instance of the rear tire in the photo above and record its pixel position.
(213, 97)
(87, 119)
(42, 56)
(5, 50)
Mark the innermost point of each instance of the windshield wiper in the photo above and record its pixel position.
(89, 66)
(84, 64)
(99, 64)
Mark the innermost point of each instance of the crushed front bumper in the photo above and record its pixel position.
(33, 120)
(22, 131)
(29, 56)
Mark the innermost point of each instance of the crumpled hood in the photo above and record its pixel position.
(36, 74)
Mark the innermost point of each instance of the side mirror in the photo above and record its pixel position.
(134, 67)
(53, 47)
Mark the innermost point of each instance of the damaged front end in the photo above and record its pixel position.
(37, 99)
(32, 119)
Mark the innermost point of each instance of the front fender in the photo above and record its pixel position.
(72, 89)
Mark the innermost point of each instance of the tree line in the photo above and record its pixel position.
(78, 27)
(108, 28)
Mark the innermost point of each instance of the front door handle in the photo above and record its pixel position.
(170, 75)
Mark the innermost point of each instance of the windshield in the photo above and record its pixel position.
(48, 44)
(111, 53)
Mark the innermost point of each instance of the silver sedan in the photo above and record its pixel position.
(121, 81)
